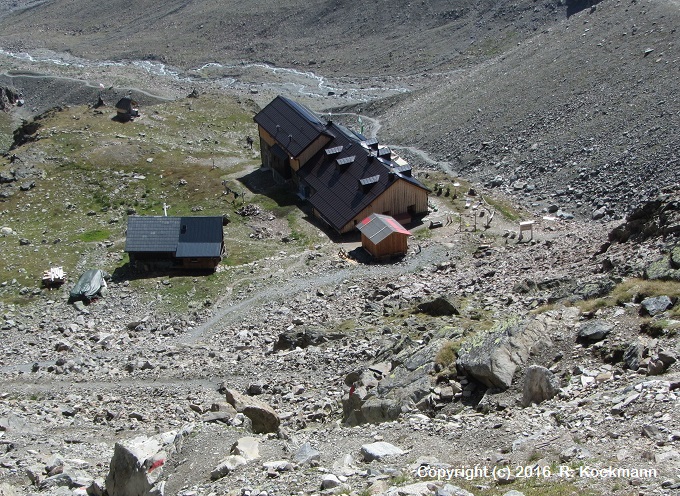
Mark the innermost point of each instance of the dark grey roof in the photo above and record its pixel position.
(293, 126)
(200, 237)
(185, 237)
(336, 192)
(152, 234)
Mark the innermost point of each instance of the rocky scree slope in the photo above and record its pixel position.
(391, 350)
(581, 117)
(345, 39)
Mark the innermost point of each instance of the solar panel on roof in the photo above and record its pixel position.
(369, 180)
(334, 150)
(346, 160)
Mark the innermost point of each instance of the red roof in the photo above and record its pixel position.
(377, 227)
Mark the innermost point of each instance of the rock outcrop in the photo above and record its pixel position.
(492, 357)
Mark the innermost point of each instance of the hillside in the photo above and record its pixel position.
(582, 117)
(482, 363)
(336, 38)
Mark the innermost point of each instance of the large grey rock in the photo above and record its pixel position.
(379, 450)
(7, 490)
(263, 417)
(438, 307)
(137, 464)
(374, 410)
(539, 385)
(655, 305)
(594, 330)
(415, 489)
(227, 466)
(302, 338)
(632, 355)
(307, 455)
(493, 357)
(135, 467)
(330, 481)
(667, 268)
(16, 425)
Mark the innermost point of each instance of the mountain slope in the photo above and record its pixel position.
(586, 112)
(337, 37)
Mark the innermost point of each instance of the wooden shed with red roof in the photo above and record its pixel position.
(383, 237)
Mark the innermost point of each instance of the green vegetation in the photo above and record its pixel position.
(536, 486)
(446, 356)
(659, 328)
(96, 171)
(504, 208)
(6, 129)
(634, 290)
(95, 235)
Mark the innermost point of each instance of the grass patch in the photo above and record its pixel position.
(538, 486)
(634, 291)
(95, 235)
(660, 328)
(506, 209)
(97, 171)
(6, 130)
(448, 353)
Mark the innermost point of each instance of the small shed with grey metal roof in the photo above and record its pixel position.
(175, 242)
(383, 237)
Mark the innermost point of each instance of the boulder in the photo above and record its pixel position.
(307, 455)
(633, 355)
(330, 481)
(227, 466)
(135, 467)
(667, 268)
(594, 330)
(539, 385)
(451, 490)
(7, 490)
(655, 305)
(263, 417)
(380, 450)
(137, 463)
(373, 410)
(492, 357)
(415, 489)
(438, 307)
